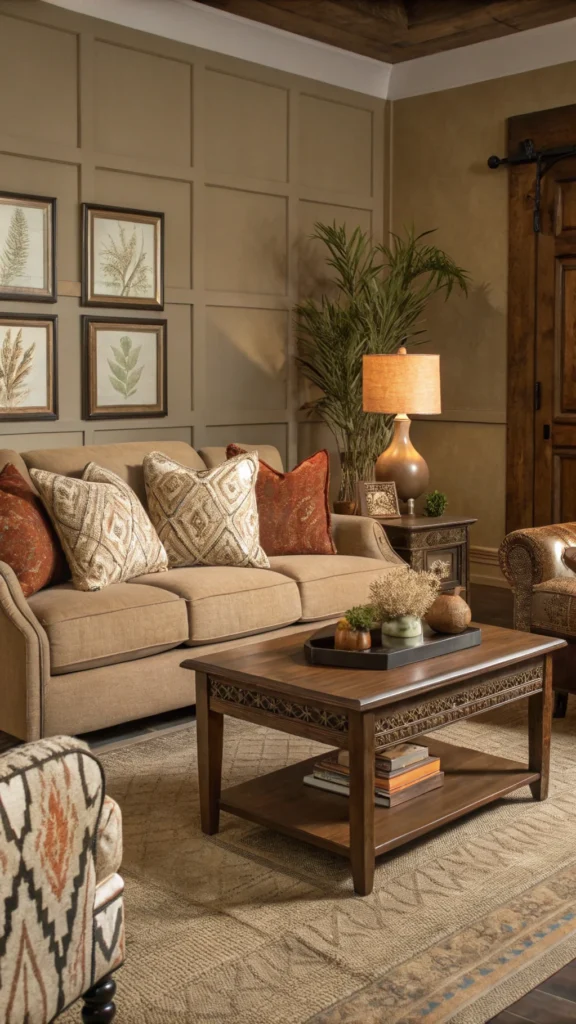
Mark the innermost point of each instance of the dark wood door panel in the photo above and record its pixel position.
(564, 487)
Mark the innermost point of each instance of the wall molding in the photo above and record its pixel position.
(189, 22)
(485, 568)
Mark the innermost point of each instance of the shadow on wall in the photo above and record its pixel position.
(470, 336)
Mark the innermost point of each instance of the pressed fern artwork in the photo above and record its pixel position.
(123, 262)
(14, 255)
(122, 257)
(125, 373)
(27, 248)
(15, 366)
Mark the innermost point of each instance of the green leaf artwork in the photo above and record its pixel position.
(14, 254)
(125, 375)
(15, 366)
(123, 263)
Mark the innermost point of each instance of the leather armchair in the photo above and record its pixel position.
(62, 922)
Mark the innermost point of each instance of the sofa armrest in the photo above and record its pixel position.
(24, 662)
(360, 535)
(532, 556)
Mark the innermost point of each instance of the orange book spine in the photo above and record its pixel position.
(408, 778)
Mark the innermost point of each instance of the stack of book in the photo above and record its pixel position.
(400, 774)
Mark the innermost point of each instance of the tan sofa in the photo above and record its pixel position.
(72, 662)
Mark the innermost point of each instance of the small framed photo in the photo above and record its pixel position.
(122, 257)
(123, 368)
(378, 499)
(28, 367)
(27, 248)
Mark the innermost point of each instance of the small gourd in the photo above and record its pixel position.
(449, 613)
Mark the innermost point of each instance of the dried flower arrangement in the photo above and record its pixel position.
(402, 591)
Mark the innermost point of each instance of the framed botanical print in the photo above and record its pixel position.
(378, 499)
(123, 368)
(27, 248)
(28, 367)
(122, 257)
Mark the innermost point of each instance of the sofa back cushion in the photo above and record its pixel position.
(216, 456)
(123, 459)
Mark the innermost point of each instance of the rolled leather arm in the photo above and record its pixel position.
(532, 556)
(360, 535)
(24, 661)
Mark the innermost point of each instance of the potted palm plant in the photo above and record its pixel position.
(382, 292)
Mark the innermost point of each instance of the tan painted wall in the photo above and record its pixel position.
(241, 159)
(440, 144)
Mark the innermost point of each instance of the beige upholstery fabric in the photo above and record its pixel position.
(123, 459)
(360, 535)
(208, 517)
(330, 584)
(554, 606)
(109, 840)
(216, 456)
(119, 623)
(24, 662)
(105, 532)
(226, 602)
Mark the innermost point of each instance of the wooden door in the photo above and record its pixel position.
(541, 420)
(555, 365)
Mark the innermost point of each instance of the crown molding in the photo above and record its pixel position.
(481, 62)
(198, 25)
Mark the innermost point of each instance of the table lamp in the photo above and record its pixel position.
(410, 383)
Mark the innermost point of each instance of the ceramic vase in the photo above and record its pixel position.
(449, 613)
(402, 626)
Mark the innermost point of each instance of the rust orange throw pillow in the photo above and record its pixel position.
(293, 508)
(28, 543)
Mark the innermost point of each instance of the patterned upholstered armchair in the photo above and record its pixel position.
(62, 927)
(535, 563)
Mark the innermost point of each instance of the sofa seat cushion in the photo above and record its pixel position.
(225, 602)
(554, 606)
(103, 627)
(330, 584)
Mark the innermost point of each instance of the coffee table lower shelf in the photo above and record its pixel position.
(281, 801)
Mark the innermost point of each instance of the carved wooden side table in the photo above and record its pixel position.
(270, 683)
(423, 540)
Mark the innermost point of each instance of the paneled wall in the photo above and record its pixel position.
(242, 160)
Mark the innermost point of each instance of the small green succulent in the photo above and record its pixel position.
(436, 504)
(360, 617)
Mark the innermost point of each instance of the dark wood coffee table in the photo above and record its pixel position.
(270, 683)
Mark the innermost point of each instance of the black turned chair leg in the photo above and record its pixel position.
(99, 1007)
(560, 703)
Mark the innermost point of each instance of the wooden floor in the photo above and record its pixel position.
(554, 1001)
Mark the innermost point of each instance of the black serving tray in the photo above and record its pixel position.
(394, 653)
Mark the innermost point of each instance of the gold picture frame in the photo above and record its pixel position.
(122, 257)
(27, 248)
(28, 367)
(378, 499)
(123, 368)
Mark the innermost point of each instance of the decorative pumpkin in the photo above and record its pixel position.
(449, 613)
(348, 639)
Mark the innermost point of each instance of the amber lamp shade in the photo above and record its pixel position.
(402, 384)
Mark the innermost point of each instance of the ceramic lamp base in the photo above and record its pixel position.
(403, 464)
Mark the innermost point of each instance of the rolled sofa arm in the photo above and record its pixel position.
(532, 556)
(24, 661)
(360, 535)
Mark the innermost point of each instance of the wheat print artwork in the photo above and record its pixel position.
(27, 367)
(124, 367)
(122, 252)
(27, 248)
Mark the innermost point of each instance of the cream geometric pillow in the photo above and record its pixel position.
(105, 532)
(206, 517)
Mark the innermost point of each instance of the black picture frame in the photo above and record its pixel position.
(48, 294)
(51, 411)
(90, 408)
(89, 296)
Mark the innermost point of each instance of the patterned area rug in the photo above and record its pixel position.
(248, 927)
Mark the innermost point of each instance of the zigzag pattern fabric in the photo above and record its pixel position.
(60, 930)
(105, 532)
(206, 517)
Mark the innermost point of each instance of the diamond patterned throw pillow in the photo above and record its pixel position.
(104, 530)
(206, 517)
